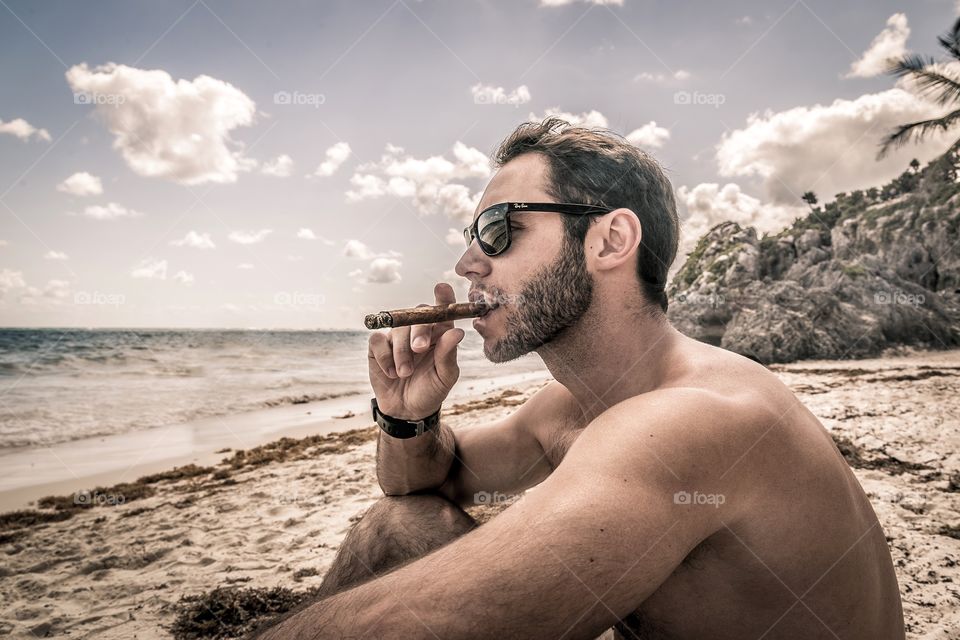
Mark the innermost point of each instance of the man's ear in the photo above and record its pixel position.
(615, 238)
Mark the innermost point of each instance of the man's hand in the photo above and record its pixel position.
(413, 368)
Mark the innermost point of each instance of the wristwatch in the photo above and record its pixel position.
(403, 428)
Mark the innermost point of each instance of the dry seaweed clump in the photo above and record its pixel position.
(229, 612)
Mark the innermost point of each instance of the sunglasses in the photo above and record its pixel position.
(492, 227)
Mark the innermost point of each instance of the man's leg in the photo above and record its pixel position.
(395, 530)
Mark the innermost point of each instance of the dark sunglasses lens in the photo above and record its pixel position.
(492, 230)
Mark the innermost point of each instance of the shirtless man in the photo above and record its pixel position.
(678, 490)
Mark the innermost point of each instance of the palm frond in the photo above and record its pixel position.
(951, 40)
(936, 84)
(916, 131)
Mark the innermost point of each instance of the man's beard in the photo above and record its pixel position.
(552, 300)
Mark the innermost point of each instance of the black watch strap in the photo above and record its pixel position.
(403, 428)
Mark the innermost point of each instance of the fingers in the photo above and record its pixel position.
(402, 352)
(380, 350)
(423, 336)
(446, 356)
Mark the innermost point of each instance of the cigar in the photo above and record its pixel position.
(426, 315)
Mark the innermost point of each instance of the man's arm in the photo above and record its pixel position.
(595, 539)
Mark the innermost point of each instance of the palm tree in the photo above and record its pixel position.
(932, 80)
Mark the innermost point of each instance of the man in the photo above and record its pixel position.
(681, 491)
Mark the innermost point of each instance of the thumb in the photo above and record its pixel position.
(445, 356)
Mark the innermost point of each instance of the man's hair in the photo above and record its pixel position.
(599, 167)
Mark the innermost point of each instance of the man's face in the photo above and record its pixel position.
(541, 282)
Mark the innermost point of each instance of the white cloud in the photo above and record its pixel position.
(281, 166)
(826, 149)
(889, 43)
(13, 286)
(745, 20)
(455, 237)
(336, 156)
(244, 265)
(81, 184)
(308, 234)
(383, 271)
(110, 212)
(10, 280)
(432, 183)
(184, 277)
(591, 119)
(649, 135)
(55, 255)
(249, 237)
(708, 204)
(360, 251)
(22, 129)
(562, 3)
(646, 76)
(489, 94)
(179, 130)
(195, 240)
(150, 269)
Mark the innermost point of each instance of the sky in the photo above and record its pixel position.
(208, 163)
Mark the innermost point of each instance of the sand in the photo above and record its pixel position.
(274, 516)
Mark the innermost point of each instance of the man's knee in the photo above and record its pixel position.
(429, 517)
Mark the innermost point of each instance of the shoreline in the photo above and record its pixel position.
(30, 473)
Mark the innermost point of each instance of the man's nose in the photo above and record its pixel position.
(473, 262)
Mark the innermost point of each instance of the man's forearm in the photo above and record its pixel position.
(405, 465)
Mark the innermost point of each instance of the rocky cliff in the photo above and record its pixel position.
(871, 270)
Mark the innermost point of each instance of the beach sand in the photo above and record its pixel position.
(274, 515)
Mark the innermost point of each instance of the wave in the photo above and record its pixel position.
(307, 397)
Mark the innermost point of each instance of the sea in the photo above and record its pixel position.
(58, 385)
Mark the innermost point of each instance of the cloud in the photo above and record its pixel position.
(591, 119)
(22, 129)
(55, 255)
(336, 156)
(281, 166)
(889, 43)
(244, 265)
(178, 130)
(360, 251)
(649, 135)
(563, 3)
(14, 287)
(195, 240)
(150, 269)
(10, 280)
(826, 149)
(183, 277)
(111, 211)
(646, 76)
(708, 204)
(81, 184)
(454, 237)
(489, 94)
(433, 183)
(383, 271)
(308, 234)
(249, 237)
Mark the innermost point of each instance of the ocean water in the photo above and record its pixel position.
(58, 385)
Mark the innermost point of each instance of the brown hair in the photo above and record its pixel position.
(599, 167)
